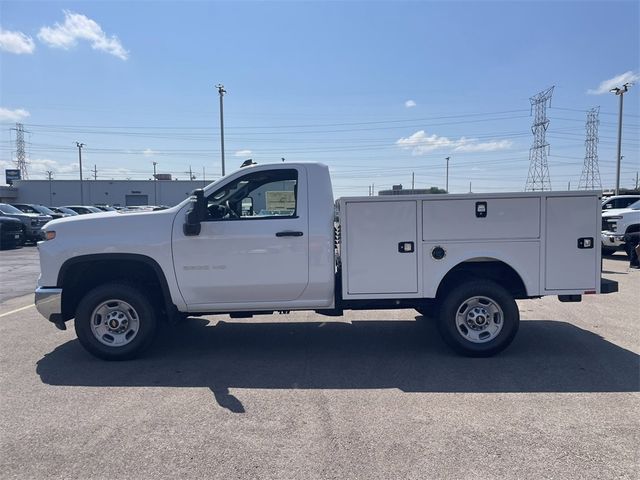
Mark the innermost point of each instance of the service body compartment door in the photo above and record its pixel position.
(572, 243)
(500, 219)
(381, 247)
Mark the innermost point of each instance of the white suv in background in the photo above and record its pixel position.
(618, 202)
(617, 222)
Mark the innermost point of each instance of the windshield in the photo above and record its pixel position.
(4, 208)
(635, 206)
(68, 211)
(44, 210)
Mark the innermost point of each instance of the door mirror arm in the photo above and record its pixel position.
(197, 214)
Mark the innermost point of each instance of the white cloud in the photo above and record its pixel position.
(16, 115)
(420, 143)
(410, 104)
(79, 27)
(243, 153)
(618, 81)
(147, 152)
(16, 42)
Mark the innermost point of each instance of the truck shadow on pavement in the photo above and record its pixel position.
(547, 356)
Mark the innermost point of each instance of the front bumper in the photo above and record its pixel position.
(49, 303)
(611, 239)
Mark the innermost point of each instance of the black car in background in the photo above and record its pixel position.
(83, 209)
(65, 210)
(11, 233)
(32, 223)
(40, 209)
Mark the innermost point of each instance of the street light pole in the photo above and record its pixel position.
(619, 91)
(447, 183)
(50, 174)
(221, 92)
(80, 145)
(155, 185)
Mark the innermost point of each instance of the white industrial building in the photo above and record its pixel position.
(99, 192)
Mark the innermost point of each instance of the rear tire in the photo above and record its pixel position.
(478, 318)
(115, 321)
(608, 251)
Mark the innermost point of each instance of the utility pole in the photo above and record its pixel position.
(538, 177)
(21, 155)
(49, 176)
(413, 178)
(590, 178)
(447, 185)
(619, 91)
(95, 172)
(637, 184)
(469, 187)
(80, 145)
(221, 92)
(155, 185)
(204, 182)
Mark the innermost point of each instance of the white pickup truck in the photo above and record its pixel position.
(269, 238)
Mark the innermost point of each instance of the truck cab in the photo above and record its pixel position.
(265, 242)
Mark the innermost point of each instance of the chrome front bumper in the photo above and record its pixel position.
(49, 303)
(611, 239)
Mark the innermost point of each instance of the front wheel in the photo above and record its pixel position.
(115, 321)
(479, 318)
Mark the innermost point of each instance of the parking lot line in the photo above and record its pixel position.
(16, 310)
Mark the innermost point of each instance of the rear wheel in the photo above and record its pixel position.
(115, 321)
(479, 318)
(608, 250)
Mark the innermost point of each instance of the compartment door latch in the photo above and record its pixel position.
(406, 247)
(586, 242)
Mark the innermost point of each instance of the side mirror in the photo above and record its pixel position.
(197, 214)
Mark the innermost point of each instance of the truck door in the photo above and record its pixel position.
(254, 246)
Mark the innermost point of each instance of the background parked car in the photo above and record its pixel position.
(11, 234)
(83, 209)
(32, 223)
(41, 209)
(105, 208)
(617, 223)
(64, 210)
(618, 201)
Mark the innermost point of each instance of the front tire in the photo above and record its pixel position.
(115, 321)
(479, 318)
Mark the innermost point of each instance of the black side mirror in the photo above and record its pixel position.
(197, 214)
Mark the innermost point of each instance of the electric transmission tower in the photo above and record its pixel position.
(538, 177)
(590, 178)
(21, 156)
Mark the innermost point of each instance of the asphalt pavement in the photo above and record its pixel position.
(375, 394)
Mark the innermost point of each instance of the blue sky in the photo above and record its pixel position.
(377, 90)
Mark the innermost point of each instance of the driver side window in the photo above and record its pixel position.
(257, 195)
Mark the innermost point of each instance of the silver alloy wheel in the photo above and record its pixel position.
(115, 323)
(479, 319)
